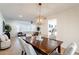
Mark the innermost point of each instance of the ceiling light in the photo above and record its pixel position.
(40, 18)
(21, 16)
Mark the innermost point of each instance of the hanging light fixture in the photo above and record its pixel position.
(40, 17)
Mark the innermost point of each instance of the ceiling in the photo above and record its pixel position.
(29, 11)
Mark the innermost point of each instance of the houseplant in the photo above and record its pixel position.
(8, 30)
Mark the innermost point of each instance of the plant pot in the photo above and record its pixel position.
(8, 34)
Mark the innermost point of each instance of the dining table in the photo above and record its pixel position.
(45, 46)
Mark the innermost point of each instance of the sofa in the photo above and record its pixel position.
(5, 42)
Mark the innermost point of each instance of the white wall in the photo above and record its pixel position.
(44, 27)
(1, 24)
(68, 26)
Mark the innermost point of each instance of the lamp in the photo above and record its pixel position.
(40, 17)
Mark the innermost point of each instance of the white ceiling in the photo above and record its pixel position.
(30, 10)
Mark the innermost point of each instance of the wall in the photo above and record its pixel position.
(1, 24)
(68, 26)
(44, 27)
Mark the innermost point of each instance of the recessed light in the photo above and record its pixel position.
(20, 16)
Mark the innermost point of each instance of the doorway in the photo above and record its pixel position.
(52, 27)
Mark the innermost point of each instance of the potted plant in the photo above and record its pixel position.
(8, 30)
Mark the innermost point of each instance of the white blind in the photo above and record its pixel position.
(26, 27)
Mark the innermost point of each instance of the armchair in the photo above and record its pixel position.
(4, 42)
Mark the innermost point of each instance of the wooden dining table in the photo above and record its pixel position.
(46, 46)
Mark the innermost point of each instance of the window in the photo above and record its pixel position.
(25, 27)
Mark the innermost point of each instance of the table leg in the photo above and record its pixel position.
(0, 43)
(59, 49)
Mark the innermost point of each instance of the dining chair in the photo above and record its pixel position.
(27, 48)
(21, 45)
(70, 50)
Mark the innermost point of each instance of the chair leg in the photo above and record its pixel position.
(25, 53)
(59, 49)
(22, 52)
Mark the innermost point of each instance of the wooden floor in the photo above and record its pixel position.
(16, 50)
(13, 50)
